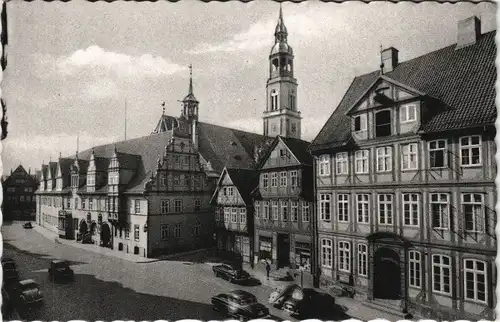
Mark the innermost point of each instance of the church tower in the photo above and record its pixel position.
(190, 103)
(281, 116)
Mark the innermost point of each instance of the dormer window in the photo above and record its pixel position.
(408, 113)
(360, 123)
(383, 123)
(91, 179)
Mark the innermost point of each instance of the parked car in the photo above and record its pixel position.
(60, 269)
(28, 225)
(231, 273)
(7, 307)
(28, 292)
(310, 304)
(241, 305)
(10, 272)
(281, 294)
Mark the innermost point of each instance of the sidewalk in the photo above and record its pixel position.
(352, 307)
(107, 251)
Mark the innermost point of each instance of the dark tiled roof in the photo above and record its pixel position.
(53, 170)
(44, 170)
(300, 149)
(165, 124)
(463, 80)
(226, 147)
(245, 181)
(101, 164)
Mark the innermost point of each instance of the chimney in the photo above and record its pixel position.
(389, 59)
(469, 31)
(29, 170)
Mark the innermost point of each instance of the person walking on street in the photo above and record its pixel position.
(268, 269)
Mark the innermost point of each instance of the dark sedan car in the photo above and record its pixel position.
(239, 304)
(10, 272)
(310, 305)
(28, 225)
(28, 292)
(231, 273)
(60, 270)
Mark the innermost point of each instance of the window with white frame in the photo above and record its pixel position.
(176, 180)
(283, 179)
(227, 214)
(305, 211)
(343, 207)
(470, 150)
(197, 204)
(197, 229)
(385, 209)
(438, 156)
(326, 253)
(411, 209)
(230, 191)
(83, 202)
(274, 180)
(137, 206)
(284, 210)
(362, 259)
(362, 207)
(127, 232)
(324, 165)
(136, 232)
(361, 161)
(295, 211)
(360, 123)
(342, 162)
(163, 179)
(344, 254)
(409, 157)
(384, 159)
(324, 206)
(294, 179)
(243, 215)
(177, 230)
(414, 268)
(275, 209)
(265, 214)
(441, 268)
(408, 113)
(475, 280)
(256, 210)
(234, 215)
(265, 180)
(165, 232)
(440, 210)
(472, 205)
(178, 205)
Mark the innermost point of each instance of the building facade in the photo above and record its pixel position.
(405, 191)
(234, 213)
(284, 207)
(146, 196)
(19, 201)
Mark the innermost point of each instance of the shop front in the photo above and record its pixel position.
(265, 248)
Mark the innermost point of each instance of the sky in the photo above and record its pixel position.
(73, 67)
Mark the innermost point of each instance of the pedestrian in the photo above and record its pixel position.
(268, 269)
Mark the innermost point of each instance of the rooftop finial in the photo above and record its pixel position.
(381, 61)
(60, 155)
(163, 105)
(190, 79)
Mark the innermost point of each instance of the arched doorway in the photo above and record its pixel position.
(136, 250)
(387, 274)
(83, 227)
(105, 235)
(93, 228)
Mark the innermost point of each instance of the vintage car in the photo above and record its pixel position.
(231, 273)
(239, 304)
(28, 225)
(281, 294)
(10, 272)
(28, 292)
(310, 304)
(60, 270)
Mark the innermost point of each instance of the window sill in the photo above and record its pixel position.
(384, 172)
(442, 293)
(409, 169)
(471, 165)
(362, 173)
(411, 226)
(473, 301)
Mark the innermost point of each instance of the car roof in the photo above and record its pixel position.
(7, 259)
(241, 293)
(28, 281)
(58, 261)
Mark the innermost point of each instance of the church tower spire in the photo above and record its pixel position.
(281, 116)
(190, 103)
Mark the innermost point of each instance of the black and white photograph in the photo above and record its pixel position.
(248, 160)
